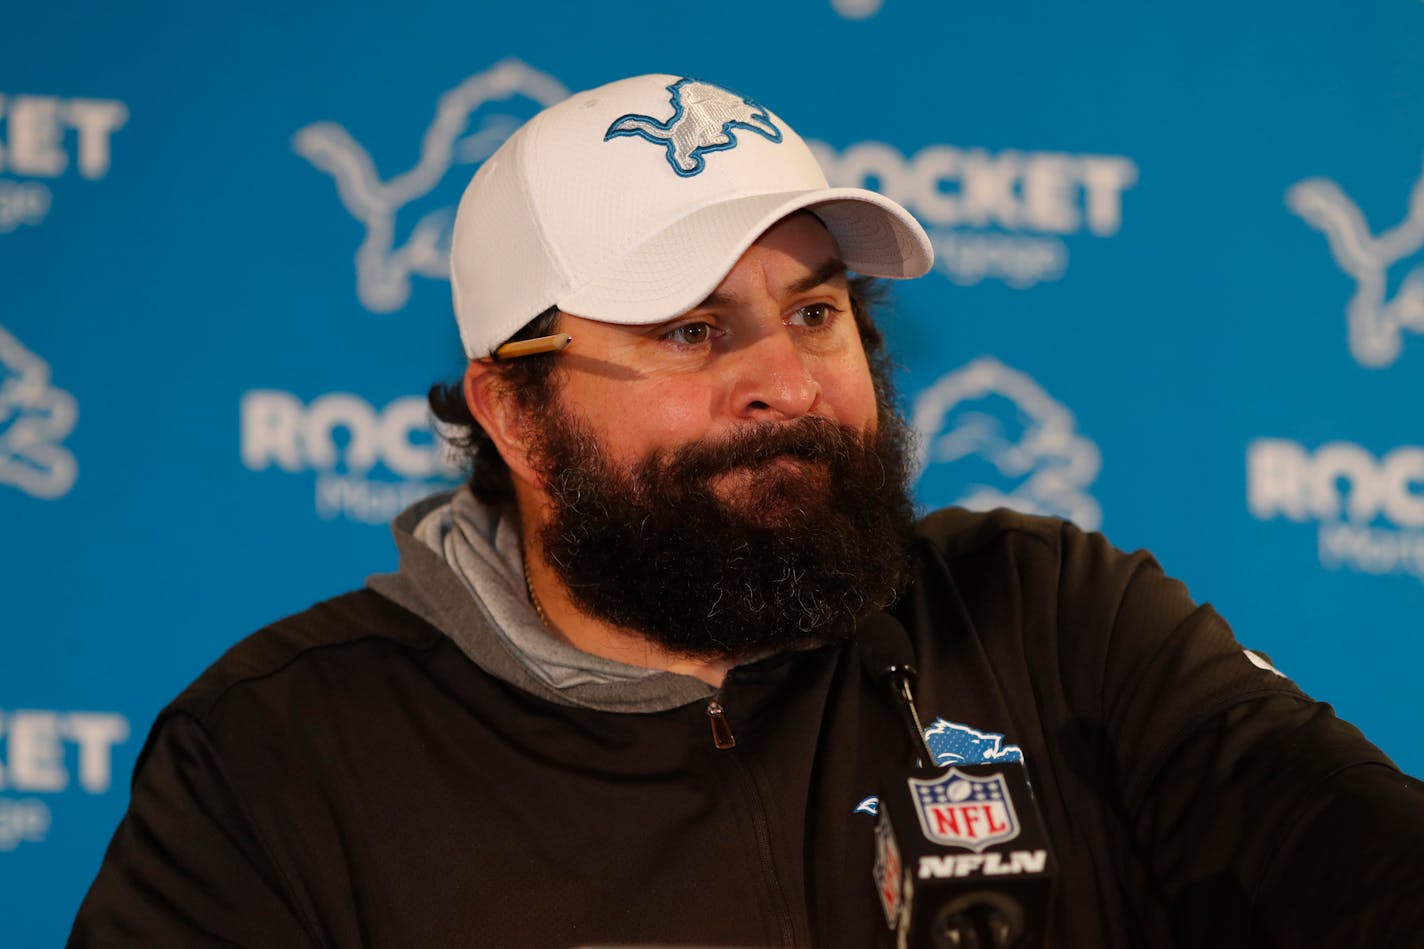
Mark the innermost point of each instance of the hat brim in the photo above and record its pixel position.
(680, 266)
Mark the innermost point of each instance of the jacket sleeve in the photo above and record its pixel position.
(1261, 818)
(186, 866)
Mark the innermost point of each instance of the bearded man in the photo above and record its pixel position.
(614, 694)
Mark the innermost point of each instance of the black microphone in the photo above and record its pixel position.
(961, 857)
(889, 660)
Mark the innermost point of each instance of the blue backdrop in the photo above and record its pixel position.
(1179, 295)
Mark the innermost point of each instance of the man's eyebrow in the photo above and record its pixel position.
(824, 274)
(827, 272)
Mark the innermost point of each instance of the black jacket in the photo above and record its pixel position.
(349, 777)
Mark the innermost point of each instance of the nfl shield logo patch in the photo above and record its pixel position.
(889, 873)
(961, 810)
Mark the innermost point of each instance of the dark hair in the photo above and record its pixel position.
(529, 379)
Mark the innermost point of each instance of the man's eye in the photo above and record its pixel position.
(814, 314)
(690, 334)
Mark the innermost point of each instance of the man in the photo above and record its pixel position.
(614, 694)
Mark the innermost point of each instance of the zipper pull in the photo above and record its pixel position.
(722, 736)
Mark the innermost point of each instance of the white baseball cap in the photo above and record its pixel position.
(631, 202)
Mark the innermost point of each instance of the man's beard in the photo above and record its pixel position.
(815, 535)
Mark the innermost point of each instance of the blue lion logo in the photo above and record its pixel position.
(953, 743)
(703, 119)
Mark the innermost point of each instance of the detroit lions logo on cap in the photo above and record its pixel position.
(704, 119)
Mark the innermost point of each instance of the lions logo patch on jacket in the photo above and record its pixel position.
(953, 743)
(704, 119)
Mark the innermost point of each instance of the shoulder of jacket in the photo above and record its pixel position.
(954, 533)
(327, 633)
(957, 532)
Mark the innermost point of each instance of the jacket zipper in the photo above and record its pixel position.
(723, 740)
(722, 737)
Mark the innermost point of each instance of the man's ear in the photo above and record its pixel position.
(499, 413)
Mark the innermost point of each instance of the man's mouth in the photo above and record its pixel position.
(787, 471)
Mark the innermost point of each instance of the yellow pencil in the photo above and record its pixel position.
(532, 347)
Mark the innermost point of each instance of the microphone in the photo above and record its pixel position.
(961, 857)
(889, 660)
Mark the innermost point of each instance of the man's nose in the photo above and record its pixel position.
(773, 379)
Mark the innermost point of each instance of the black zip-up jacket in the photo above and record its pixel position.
(349, 777)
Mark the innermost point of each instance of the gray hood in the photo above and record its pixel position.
(462, 570)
